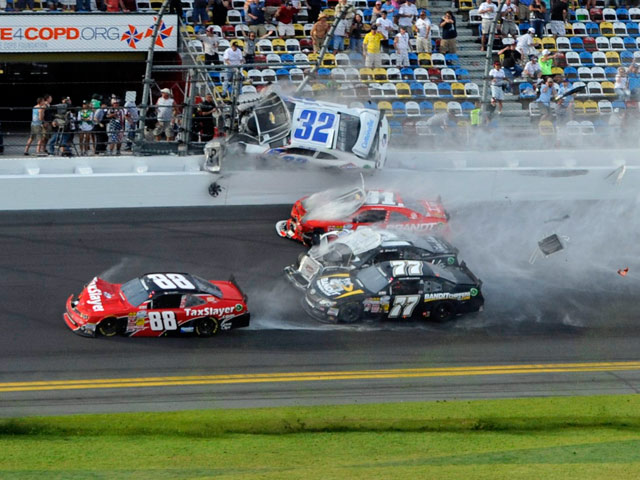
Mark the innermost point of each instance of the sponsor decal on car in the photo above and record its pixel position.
(414, 226)
(332, 286)
(432, 297)
(215, 311)
(95, 296)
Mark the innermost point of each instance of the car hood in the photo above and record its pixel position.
(337, 286)
(100, 296)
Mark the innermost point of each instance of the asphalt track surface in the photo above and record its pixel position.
(562, 325)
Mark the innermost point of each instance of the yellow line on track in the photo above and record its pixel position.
(315, 376)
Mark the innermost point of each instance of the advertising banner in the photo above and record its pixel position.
(94, 32)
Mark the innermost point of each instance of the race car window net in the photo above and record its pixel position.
(348, 132)
(135, 292)
(373, 279)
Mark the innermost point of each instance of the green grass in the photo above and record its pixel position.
(546, 438)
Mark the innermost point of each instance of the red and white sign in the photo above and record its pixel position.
(95, 32)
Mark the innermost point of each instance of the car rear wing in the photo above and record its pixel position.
(232, 280)
(469, 273)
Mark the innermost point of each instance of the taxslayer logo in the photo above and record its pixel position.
(132, 37)
(216, 312)
(95, 296)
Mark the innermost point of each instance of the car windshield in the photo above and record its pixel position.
(333, 203)
(348, 132)
(373, 279)
(206, 287)
(135, 292)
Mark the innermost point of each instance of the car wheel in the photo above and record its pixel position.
(350, 313)
(108, 327)
(207, 327)
(442, 312)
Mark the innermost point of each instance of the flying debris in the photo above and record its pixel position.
(548, 246)
(617, 174)
(623, 271)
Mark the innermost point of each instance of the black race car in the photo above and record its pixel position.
(398, 289)
(367, 246)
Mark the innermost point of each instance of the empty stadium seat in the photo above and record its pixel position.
(457, 90)
(584, 74)
(471, 90)
(603, 43)
(605, 107)
(594, 89)
(438, 60)
(389, 90)
(597, 74)
(463, 75)
(563, 44)
(573, 59)
(394, 74)
(448, 75)
(444, 90)
(342, 60)
(571, 73)
(426, 108)
(590, 44)
(454, 107)
(606, 29)
(380, 75)
(607, 89)
(417, 89)
(620, 29)
(352, 74)
(296, 74)
(440, 107)
(406, 74)
(613, 59)
(424, 60)
(234, 17)
(264, 46)
(577, 45)
(403, 90)
(430, 89)
(580, 29)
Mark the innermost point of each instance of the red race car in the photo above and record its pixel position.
(157, 304)
(341, 210)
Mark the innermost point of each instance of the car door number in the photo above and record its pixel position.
(313, 127)
(404, 304)
(159, 321)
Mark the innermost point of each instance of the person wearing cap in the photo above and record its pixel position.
(376, 12)
(546, 63)
(538, 12)
(232, 57)
(508, 16)
(487, 11)
(166, 108)
(547, 93)
(407, 14)
(525, 45)
(531, 71)
(423, 33)
(85, 126)
(564, 109)
(498, 79)
(285, 15)
(210, 46)
(319, 32)
(449, 33)
(371, 47)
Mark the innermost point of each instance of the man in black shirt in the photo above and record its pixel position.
(511, 61)
(206, 118)
(559, 14)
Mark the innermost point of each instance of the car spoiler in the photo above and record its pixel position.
(232, 280)
(463, 266)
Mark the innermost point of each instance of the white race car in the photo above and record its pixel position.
(306, 131)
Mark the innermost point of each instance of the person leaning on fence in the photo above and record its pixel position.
(37, 127)
(100, 128)
(165, 106)
(371, 47)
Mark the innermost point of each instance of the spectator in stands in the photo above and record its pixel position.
(210, 45)
(376, 12)
(401, 44)
(523, 10)
(285, 15)
(559, 16)
(407, 14)
(423, 33)
(25, 4)
(511, 60)
(115, 127)
(487, 11)
(531, 71)
(621, 86)
(85, 128)
(117, 6)
(232, 57)
(82, 5)
(49, 115)
(442, 123)
(525, 44)
(132, 117)
(546, 64)
(37, 127)
(449, 33)
(250, 43)
(564, 109)
(166, 108)
(200, 14)
(538, 11)
(205, 116)
(175, 6)
(219, 9)
(340, 31)
(255, 18)
(57, 125)
(498, 79)
(344, 6)
(385, 27)
(371, 47)
(633, 71)
(388, 7)
(355, 33)
(100, 128)
(423, 4)
(53, 4)
(547, 92)
(319, 32)
(314, 9)
(270, 9)
(508, 15)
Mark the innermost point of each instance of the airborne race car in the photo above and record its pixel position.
(303, 131)
(336, 209)
(157, 304)
(399, 289)
(363, 247)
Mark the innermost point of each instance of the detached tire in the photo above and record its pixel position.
(207, 327)
(443, 312)
(350, 313)
(109, 327)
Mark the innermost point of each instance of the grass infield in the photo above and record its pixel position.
(552, 438)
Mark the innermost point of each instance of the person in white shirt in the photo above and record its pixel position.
(210, 46)
(233, 57)
(385, 27)
(508, 14)
(401, 44)
(531, 71)
(166, 110)
(525, 44)
(407, 14)
(497, 81)
(488, 12)
(423, 33)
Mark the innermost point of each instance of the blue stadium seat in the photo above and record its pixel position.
(366, 14)
(523, 27)
(417, 89)
(571, 73)
(413, 59)
(396, 127)
(452, 60)
(407, 73)
(287, 58)
(426, 108)
(593, 29)
(633, 30)
(467, 106)
(324, 72)
(444, 90)
(586, 59)
(399, 109)
(524, 86)
(611, 73)
(619, 104)
(622, 14)
(462, 74)
(626, 58)
(577, 45)
(634, 83)
(283, 74)
(630, 43)
(216, 77)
